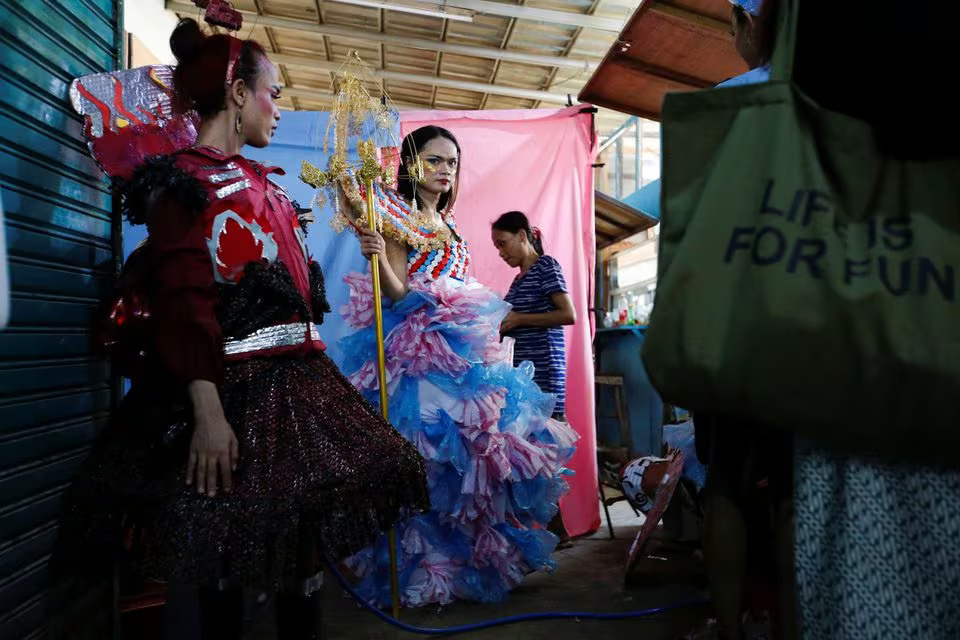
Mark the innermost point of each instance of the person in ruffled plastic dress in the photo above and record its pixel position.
(241, 453)
(495, 457)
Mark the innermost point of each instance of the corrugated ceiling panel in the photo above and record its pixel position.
(527, 36)
(300, 42)
(506, 102)
(522, 75)
(466, 68)
(413, 25)
(350, 15)
(483, 31)
(288, 9)
(408, 60)
(409, 93)
(340, 48)
(309, 78)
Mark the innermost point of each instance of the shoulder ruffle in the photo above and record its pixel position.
(266, 295)
(318, 293)
(160, 177)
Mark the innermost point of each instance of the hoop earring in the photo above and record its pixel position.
(238, 125)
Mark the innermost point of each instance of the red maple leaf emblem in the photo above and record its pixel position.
(236, 247)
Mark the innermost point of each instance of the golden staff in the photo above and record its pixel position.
(382, 379)
(377, 306)
(353, 107)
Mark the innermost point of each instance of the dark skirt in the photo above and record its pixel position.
(316, 460)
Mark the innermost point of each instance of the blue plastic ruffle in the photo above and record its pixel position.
(529, 503)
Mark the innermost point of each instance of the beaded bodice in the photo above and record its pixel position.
(435, 250)
(452, 259)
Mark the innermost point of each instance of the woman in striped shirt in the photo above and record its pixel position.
(541, 304)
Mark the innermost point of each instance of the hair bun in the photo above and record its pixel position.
(186, 40)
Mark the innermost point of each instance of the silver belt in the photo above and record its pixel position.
(281, 335)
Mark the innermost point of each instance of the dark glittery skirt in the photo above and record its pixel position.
(318, 467)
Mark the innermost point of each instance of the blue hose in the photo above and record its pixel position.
(497, 622)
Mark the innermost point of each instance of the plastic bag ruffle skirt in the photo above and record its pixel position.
(495, 459)
(315, 461)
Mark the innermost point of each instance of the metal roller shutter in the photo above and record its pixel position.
(55, 394)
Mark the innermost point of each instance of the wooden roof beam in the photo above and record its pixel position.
(548, 16)
(567, 49)
(430, 81)
(306, 26)
(326, 97)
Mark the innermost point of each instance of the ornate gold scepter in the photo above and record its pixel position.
(355, 113)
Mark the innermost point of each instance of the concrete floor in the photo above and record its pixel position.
(589, 577)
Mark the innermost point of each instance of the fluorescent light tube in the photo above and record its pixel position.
(377, 4)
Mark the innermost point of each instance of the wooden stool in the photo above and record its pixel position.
(609, 455)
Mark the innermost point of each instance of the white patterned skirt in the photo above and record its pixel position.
(877, 548)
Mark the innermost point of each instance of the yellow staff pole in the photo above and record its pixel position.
(382, 379)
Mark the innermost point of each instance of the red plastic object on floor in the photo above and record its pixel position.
(666, 485)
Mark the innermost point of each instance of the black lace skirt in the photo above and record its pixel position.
(316, 460)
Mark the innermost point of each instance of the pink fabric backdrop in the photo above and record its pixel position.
(539, 162)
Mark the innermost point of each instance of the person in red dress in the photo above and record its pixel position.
(241, 454)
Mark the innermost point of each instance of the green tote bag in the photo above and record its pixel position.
(806, 279)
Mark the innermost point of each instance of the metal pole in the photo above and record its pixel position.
(638, 158)
(618, 169)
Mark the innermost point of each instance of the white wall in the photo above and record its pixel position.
(152, 25)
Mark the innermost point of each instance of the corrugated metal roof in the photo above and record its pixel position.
(616, 220)
(517, 54)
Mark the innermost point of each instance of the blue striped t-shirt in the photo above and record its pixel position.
(530, 293)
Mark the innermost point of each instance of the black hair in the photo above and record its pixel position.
(409, 149)
(763, 28)
(741, 17)
(515, 222)
(199, 80)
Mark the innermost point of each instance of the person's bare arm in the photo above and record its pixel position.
(391, 254)
(564, 314)
(392, 257)
(213, 446)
